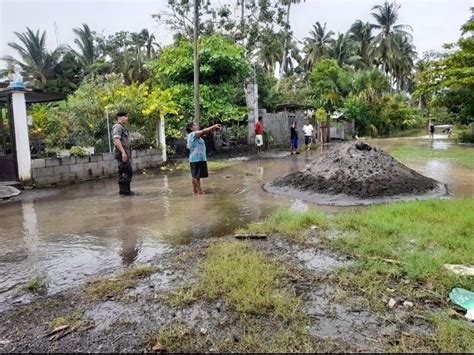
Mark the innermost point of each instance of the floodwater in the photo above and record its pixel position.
(67, 235)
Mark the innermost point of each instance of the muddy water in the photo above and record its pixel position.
(459, 179)
(66, 235)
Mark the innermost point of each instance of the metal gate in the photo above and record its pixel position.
(8, 165)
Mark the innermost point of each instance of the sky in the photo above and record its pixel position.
(434, 22)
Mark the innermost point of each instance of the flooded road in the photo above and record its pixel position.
(67, 235)
(459, 178)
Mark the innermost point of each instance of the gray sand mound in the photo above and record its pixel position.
(359, 170)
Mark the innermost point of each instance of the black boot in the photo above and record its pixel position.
(127, 191)
(122, 189)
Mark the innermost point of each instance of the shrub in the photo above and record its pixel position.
(78, 151)
(466, 137)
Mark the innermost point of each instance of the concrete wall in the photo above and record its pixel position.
(50, 171)
(278, 124)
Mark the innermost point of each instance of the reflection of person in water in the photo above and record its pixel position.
(128, 234)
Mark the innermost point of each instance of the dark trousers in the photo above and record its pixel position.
(125, 174)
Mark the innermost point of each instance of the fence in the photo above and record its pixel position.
(278, 125)
(58, 134)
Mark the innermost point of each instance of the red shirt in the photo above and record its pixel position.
(258, 128)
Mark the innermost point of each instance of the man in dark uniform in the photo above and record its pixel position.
(123, 153)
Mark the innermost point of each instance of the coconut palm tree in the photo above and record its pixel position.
(317, 45)
(402, 62)
(36, 61)
(152, 48)
(386, 17)
(361, 34)
(269, 49)
(284, 56)
(88, 52)
(343, 50)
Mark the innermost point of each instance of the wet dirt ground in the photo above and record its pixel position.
(68, 235)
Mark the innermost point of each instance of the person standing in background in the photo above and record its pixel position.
(294, 138)
(308, 134)
(431, 128)
(259, 135)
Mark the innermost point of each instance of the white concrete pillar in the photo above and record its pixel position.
(22, 139)
(162, 138)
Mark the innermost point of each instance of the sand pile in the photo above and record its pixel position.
(358, 170)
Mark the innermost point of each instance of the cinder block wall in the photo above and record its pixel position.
(51, 171)
(278, 124)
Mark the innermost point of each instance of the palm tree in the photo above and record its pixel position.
(361, 34)
(150, 44)
(386, 17)
(402, 61)
(269, 49)
(343, 50)
(284, 56)
(36, 61)
(317, 45)
(88, 52)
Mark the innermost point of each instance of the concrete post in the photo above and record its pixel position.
(251, 95)
(162, 138)
(22, 139)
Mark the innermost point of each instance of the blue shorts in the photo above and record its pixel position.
(294, 143)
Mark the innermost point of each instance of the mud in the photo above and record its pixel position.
(126, 324)
(360, 171)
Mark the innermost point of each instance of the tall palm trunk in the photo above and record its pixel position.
(285, 48)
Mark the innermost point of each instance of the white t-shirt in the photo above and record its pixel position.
(308, 130)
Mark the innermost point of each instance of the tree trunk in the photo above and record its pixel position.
(328, 125)
(242, 22)
(285, 48)
(197, 110)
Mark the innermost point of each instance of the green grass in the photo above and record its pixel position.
(288, 223)
(422, 235)
(115, 287)
(247, 281)
(462, 156)
(270, 317)
(35, 284)
(74, 320)
(453, 335)
(182, 297)
(253, 338)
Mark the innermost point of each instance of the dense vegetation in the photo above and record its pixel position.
(369, 73)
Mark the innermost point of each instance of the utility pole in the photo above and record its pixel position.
(197, 110)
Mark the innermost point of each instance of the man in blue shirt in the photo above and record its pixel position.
(197, 153)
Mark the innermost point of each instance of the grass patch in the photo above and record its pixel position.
(247, 281)
(422, 236)
(74, 320)
(179, 337)
(462, 156)
(115, 287)
(254, 338)
(289, 223)
(182, 297)
(36, 284)
(453, 335)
